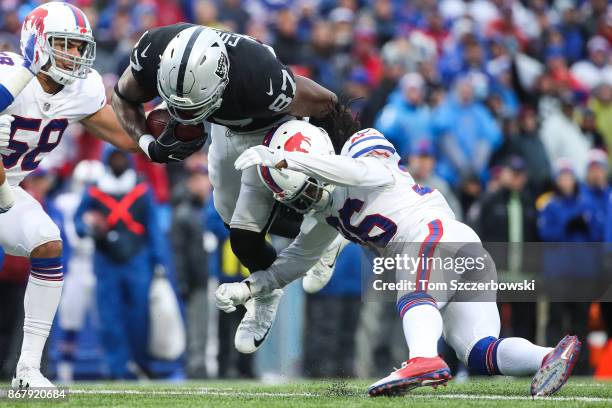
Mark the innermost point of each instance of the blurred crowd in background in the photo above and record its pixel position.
(505, 106)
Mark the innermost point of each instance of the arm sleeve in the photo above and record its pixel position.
(341, 170)
(14, 77)
(294, 261)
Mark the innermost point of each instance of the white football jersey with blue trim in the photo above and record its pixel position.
(42, 118)
(375, 200)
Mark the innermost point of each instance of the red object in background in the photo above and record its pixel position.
(15, 269)
(504, 29)
(301, 70)
(604, 366)
(169, 12)
(156, 176)
(566, 78)
(89, 147)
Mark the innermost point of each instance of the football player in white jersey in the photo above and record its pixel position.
(366, 196)
(42, 91)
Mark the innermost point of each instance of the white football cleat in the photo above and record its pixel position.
(29, 377)
(257, 321)
(318, 276)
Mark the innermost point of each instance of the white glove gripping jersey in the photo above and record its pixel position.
(374, 202)
(42, 118)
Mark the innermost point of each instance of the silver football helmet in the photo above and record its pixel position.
(193, 73)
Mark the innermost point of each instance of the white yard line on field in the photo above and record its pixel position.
(236, 393)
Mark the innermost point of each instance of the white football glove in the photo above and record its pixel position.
(259, 155)
(230, 295)
(34, 52)
(5, 130)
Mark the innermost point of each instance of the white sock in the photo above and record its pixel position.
(40, 304)
(517, 356)
(422, 328)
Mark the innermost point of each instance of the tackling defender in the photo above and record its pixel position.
(238, 85)
(51, 86)
(365, 195)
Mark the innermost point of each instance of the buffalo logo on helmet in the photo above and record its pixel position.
(298, 143)
(36, 19)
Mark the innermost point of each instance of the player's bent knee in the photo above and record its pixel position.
(483, 356)
(252, 249)
(52, 249)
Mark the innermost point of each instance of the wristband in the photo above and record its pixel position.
(6, 196)
(144, 142)
(16, 82)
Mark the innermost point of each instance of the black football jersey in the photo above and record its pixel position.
(259, 88)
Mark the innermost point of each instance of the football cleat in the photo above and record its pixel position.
(414, 373)
(29, 377)
(318, 276)
(257, 321)
(556, 367)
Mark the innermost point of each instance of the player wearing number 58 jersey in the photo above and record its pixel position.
(42, 91)
(366, 196)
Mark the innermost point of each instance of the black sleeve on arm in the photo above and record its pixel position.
(123, 97)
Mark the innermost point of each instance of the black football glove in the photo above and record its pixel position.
(167, 148)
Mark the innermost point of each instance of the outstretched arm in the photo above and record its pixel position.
(104, 125)
(340, 170)
(294, 261)
(333, 169)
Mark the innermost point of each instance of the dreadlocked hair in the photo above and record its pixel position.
(338, 122)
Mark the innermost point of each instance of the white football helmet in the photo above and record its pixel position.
(87, 172)
(292, 188)
(193, 73)
(55, 24)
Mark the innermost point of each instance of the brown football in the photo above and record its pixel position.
(158, 119)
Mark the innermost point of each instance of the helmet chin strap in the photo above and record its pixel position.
(55, 75)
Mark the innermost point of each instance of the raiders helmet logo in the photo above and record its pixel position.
(221, 70)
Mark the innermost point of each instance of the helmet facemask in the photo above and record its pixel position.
(312, 196)
(58, 45)
(187, 113)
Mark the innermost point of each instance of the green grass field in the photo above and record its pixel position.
(500, 392)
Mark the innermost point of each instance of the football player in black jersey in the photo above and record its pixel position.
(238, 85)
